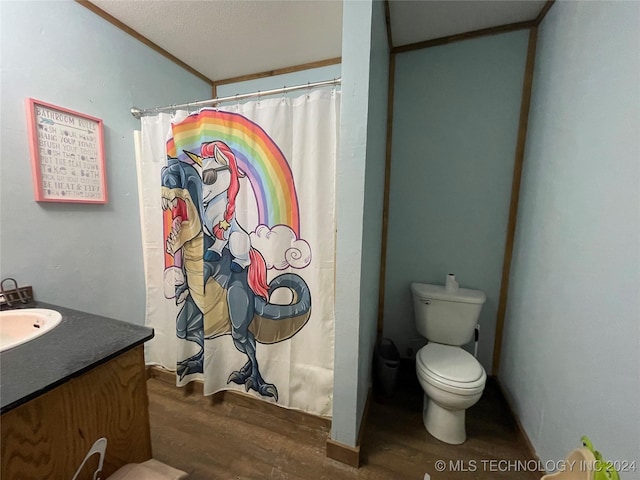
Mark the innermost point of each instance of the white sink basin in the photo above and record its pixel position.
(20, 326)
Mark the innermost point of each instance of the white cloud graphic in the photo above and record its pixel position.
(280, 247)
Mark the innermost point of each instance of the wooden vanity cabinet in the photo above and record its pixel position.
(49, 436)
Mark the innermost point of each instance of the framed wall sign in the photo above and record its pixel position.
(67, 154)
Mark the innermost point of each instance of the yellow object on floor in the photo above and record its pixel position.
(579, 465)
(585, 463)
(149, 470)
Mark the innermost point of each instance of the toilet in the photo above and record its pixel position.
(452, 378)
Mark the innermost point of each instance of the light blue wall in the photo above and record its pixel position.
(350, 179)
(570, 357)
(360, 171)
(81, 256)
(285, 80)
(455, 125)
(373, 199)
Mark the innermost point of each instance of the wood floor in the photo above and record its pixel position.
(230, 440)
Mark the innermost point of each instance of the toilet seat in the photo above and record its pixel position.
(452, 369)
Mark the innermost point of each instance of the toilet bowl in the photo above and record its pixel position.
(452, 380)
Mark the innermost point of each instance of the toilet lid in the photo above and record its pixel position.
(451, 364)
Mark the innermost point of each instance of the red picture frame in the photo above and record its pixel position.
(67, 154)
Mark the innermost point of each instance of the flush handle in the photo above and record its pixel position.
(427, 302)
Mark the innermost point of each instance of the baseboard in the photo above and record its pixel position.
(242, 399)
(345, 453)
(521, 430)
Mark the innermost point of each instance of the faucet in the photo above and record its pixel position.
(9, 296)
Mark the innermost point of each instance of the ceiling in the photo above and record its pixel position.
(417, 21)
(228, 38)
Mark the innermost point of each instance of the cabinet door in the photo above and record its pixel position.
(49, 436)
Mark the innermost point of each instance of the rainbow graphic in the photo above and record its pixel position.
(258, 157)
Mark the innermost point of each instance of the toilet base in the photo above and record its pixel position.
(446, 425)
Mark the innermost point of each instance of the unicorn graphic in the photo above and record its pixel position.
(220, 186)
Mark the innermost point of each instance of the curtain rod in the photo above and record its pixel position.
(138, 113)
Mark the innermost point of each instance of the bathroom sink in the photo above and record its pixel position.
(20, 326)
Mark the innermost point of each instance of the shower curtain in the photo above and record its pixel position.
(237, 206)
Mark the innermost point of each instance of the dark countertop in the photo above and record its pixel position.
(80, 342)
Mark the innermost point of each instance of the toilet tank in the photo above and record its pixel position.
(446, 317)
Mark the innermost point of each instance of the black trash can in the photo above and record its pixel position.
(386, 365)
